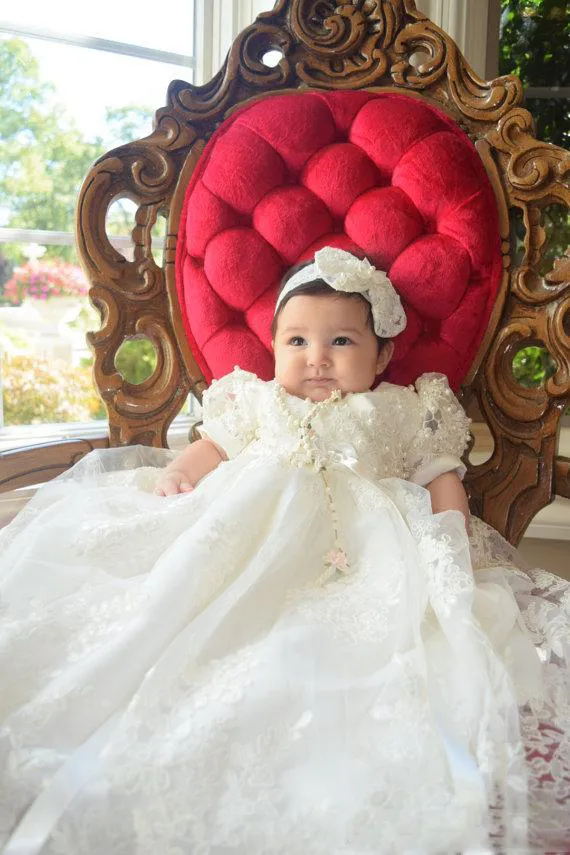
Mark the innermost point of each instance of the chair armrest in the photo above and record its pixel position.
(24, 467)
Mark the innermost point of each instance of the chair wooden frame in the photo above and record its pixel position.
(383, 46)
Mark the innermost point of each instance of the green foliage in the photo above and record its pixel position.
(556, 223)
(6, 270)
(127, 123)
(535, 45)
(39, 390)
(532, 366)
(135, 360)
(45, 157)
(535, 41)
(13, 340)
(21, 92)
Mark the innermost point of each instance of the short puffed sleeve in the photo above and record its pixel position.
(441, 432)
(230, 409)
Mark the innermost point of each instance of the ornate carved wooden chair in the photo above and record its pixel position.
(372, 132)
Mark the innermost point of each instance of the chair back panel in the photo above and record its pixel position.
(380, 174)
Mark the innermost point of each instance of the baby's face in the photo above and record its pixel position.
(323, 343)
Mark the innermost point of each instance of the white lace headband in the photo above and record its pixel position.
(345, 272)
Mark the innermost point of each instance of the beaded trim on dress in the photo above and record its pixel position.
(336, 560)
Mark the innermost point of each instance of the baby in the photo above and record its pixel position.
(324, 339)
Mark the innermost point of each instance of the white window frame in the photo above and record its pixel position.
(26, 31)
(556, 93)
(220, 21)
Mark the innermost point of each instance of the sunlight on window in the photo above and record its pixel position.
(46, 364)
(51, 137)
(116, 21)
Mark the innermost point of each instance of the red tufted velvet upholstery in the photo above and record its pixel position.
(383, 174)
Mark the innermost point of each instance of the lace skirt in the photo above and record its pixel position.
(179, 676)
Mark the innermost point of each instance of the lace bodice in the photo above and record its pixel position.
(392, 431)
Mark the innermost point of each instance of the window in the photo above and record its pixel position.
(69, 92)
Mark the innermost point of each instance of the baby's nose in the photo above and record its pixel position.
(318, 355)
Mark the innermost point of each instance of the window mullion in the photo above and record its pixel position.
(219, 22)
(556, 93)
(95, 43)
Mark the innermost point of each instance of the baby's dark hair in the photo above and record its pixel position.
(317, 288)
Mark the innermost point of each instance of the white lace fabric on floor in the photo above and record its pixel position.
(406, 706)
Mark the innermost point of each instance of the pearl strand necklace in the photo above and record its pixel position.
(336, 560)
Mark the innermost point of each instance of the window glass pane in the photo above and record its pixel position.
(53, 127)
(45, 361)
(118, 82)
(552, 117)
(535, 45)
(535, 41)
(115, 20)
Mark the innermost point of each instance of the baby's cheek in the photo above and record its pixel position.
(279, 370)
(286, 364)
(282, 374)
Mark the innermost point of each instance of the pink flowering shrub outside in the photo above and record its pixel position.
(43, 280)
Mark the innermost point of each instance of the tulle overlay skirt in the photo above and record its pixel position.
(183, 675)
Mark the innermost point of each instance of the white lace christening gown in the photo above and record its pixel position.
(295, 658)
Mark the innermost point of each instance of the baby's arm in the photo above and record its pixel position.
(196, 461)
(447, 494)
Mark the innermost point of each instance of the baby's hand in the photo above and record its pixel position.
(173, 482)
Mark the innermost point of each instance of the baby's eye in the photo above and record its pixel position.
(297, 341)
(342, 340)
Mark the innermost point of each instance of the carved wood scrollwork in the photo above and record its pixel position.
(446, 69)
(131, 294)
(344, 45)
(523, 472)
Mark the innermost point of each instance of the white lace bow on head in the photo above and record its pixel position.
(351, 275)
